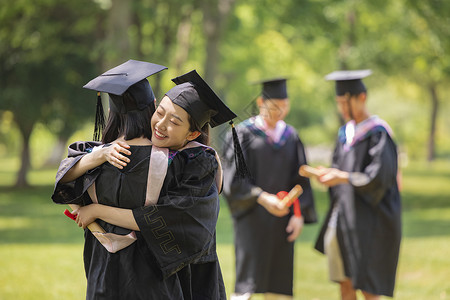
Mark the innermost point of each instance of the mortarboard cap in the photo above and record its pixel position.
(195, 96)
(349, 81)
(128, 77)
(274, 88)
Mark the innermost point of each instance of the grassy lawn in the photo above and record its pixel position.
(41, 249)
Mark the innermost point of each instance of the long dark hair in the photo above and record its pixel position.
(203, 138)
(130, 125)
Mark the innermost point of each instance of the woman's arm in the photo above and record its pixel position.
(94, 159)
(117, 216)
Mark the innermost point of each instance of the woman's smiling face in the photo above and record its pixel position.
(170, 126)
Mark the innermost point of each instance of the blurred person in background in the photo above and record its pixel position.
(362, 230)
(265, 233)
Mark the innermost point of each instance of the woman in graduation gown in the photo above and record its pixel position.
(362, 231)
(265, 235)
(170, 214)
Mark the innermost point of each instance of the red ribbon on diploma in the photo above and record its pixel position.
(70, 215)
(297, 211)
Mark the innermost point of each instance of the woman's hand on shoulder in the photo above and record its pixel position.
(113, 154)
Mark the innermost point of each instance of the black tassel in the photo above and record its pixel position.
(241, 167)
(99, 119)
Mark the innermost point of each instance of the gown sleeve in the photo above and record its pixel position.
(241, 193)
(377, 177)
(180, 229)
(72, 192)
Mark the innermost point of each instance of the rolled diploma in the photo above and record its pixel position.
(94, 226)
(308, 171)
(292, 195)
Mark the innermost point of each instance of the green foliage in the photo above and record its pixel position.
(51, 48)
(45, 47)
(307, 39)
(46, 55)
(8, 133)
(265, 43)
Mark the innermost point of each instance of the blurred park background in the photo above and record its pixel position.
(50, 48)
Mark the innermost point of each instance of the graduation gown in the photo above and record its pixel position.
(174, 256)
(264, 257)
(369, 211)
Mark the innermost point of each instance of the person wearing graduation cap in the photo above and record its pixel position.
(362, 230)
(131, 107)
(265, 232)
(168, 200)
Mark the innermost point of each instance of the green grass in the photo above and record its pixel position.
(41, 249)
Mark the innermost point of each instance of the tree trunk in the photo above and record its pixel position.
(120, 17)
(434, 109)
(349, 41)
(215, 14)
(58, 152)
(167, 40)
(183, 45)
(25, 165)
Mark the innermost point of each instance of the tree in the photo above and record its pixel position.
(45, 47)
(431, 61)
(160, 33)
(215, 15)
(414, 48)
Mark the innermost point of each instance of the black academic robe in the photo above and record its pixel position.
(369, 212)
(264, 257)
(174, 256)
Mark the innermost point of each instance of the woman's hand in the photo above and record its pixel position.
(86, 214)
(112, 154)
(114, 215)
(272, 204)
(294, 227)
(332, 177)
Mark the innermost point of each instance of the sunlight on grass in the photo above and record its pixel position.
(15, 223)
(42, 177)
(35, 272)
(226, 259)
(428, 179)
(424, 271)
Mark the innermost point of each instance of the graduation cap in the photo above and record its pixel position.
(349, 81)
(195, 96)
(274, 88)
(125, 80)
